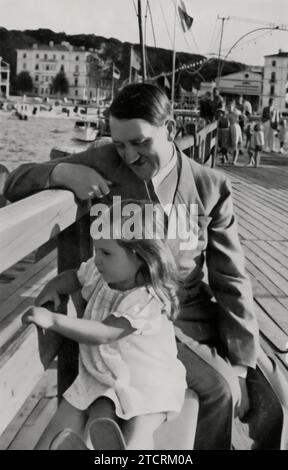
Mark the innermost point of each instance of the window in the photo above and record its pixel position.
(62, 68)
(42, 90)
(272, 90)
(273, 77)
(24, 55)
(45, 56)
(47, 67)
(273, 63)
(54, 57)
(36, 90)
(47, 79)
(76, 81)
(37, 67)
(76, 68)
(36, 78)
(77, 57)
(76, 92)
(63, 57)
(37, 56)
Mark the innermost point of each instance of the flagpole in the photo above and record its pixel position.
(130, 70)
(142, 45)
(174, 60)
(112, 89)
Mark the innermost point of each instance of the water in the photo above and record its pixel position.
(32, 140)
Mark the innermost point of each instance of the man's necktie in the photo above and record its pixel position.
(154, 198)
(151, 191)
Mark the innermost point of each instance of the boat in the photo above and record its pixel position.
(86, 130)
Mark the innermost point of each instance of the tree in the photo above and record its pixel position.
(60, 83)
(24, 82)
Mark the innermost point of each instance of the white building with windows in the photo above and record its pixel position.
(275, 80)
(4, 78)
(82, 69)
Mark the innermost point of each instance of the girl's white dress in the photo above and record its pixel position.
(139, 373)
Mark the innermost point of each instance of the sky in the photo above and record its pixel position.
(117, 18)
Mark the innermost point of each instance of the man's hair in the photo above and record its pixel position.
(142, 101)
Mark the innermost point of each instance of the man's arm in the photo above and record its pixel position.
(230, 285)
(83, 173)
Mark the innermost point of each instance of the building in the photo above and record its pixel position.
(4, 79)
(245, 83)
(83, 70)
(275, 80)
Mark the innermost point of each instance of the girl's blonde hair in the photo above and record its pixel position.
(158, 267)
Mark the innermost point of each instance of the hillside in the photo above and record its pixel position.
(111, 49)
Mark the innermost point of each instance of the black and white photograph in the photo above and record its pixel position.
(144, 228)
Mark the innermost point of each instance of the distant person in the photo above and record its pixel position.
(218, 102)
(206, 107)
(247, 107)
(248, 134)
(270, 119)
(239, 105)
(129, 375)
(235, 132)
(282, 134)
(223, 135)
(257, 144)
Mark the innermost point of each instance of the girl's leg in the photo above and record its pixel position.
(102, 408)
(138, 431)
(67, 417)
(100, 432)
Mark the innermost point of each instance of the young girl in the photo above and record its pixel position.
(282, 134)
(129, 374)
(257, 144)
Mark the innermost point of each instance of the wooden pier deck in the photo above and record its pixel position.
(261, 204)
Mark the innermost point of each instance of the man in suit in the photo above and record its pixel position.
(216, 329)
(270, 119)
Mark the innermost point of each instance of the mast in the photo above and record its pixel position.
(142, 45)
(174, 59)
(223, 19)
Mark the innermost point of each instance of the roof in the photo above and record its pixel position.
(279, 54)
(56, 47)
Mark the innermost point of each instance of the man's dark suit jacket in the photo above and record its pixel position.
(218, 252)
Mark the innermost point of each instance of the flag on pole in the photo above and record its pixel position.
(186, 20)
(135, 61)
(166, 82)
(116, 72)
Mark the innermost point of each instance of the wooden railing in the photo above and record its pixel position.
(26, 352)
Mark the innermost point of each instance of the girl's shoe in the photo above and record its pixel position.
(67, 440)
(105, 434)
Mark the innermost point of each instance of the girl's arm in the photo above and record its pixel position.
(65, 283)
(78, 329)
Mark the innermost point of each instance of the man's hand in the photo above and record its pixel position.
(39, 316)
(85, 182)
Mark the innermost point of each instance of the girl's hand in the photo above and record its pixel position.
(39, 316)
(48, 294)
